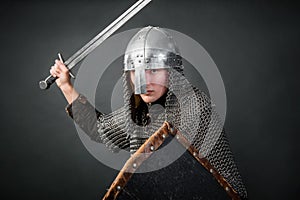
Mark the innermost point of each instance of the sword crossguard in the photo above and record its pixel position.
(45, 84)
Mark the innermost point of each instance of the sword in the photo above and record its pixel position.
(97, 40)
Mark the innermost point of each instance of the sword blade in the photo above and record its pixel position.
(103, 35)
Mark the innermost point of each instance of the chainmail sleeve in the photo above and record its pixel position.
(103, 128)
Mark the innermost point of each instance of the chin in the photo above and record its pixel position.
(147, 99)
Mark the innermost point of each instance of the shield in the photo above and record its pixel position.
(191, 176)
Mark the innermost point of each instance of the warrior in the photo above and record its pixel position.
(156, 91)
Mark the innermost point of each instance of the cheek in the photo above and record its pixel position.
(164, 79)
(162, 86)
(164, 90)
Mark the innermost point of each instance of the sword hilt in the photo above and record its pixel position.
(45, 84)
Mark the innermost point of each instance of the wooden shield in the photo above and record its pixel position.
(190, 176)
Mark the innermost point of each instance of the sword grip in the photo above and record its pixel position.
(45, 84)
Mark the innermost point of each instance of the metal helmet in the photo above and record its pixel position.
(150, 48)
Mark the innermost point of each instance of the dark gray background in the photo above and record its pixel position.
(255, 45)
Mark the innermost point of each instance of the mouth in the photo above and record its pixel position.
(150, 91)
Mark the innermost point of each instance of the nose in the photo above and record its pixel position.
(148, 77)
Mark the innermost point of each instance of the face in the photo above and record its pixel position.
(156, 84)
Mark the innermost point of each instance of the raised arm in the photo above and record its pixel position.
(63, 81)
(103, 128)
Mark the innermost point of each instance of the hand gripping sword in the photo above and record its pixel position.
(97, 40)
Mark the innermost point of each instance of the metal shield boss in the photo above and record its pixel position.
(150, 48)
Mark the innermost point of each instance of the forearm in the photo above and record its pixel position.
(69, 92)
(61, 72)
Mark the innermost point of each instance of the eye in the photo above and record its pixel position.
(153, 71)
